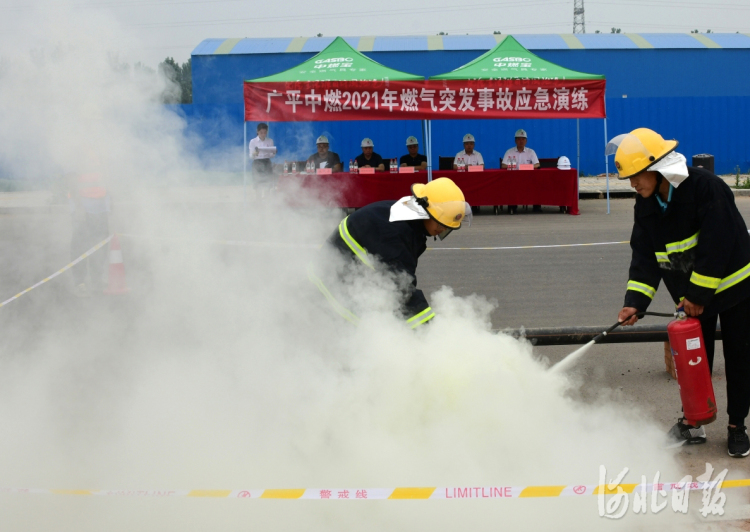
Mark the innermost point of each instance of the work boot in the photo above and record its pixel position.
(738, 443)
(681, 434)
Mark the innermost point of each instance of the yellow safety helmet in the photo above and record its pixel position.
(443, 201)
(638, 150)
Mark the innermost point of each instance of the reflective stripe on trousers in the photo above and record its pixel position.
(423, 317)
(340, 309)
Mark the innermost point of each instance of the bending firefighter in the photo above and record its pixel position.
(394, 236)
(689, 233)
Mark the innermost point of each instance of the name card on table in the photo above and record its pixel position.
(476, 168)
(324, 171)
(405, 169)
(366, 170)
(525, 166)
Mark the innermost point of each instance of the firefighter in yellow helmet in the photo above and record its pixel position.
(394, 235)
(689, 234)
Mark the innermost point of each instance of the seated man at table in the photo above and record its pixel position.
(520, 154)
(470, 156)
(324, 158)
(413, 158)
(368, 158)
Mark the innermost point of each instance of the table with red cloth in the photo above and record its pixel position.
(543, 186)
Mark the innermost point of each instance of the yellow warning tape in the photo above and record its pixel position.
(414, 493)
(61, 270)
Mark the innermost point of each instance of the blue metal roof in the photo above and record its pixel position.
(672, 40)
(207, 47)
(591, 41)
(318, 44)
(469, 42)
(607, 41)
(542, 42)
(265, 46)
(730, 40)
(400, 44)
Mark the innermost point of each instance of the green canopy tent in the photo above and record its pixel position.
(531, 87)
(349, 85)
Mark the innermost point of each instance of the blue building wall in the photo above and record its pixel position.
(698, 96)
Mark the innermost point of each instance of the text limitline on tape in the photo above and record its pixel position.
(405, 493)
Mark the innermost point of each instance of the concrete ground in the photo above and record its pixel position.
(533, 287)
(577, 286)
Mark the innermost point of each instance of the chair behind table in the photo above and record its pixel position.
(445, 163)
(548, 163)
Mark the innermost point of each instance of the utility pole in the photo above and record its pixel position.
(579, 18)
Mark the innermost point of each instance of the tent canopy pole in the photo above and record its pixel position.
(244, 164)
(606, 161)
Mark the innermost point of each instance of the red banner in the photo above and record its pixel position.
(419, 100)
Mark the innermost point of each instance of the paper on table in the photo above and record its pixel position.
(525, 166)
(476, 168)
(406, 170)
(366, 170)
(324, 171)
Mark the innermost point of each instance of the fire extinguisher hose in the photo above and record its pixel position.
(600, 336)
(571, 359)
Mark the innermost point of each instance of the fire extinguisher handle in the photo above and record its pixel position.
(603, 334)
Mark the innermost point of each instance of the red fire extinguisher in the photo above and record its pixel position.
(693, 375)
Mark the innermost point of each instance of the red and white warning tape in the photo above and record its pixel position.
(463, 492)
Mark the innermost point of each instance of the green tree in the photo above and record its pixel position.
(181, 76)
(615, 30)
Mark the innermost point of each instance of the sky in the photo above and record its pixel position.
(173, 28)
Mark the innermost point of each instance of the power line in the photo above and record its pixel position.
(328, 16)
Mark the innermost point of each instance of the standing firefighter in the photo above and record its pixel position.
(689, 233)
(394, 235)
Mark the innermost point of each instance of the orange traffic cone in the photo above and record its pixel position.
(116, 284)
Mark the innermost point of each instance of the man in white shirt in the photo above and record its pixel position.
(470, 156)
(522, 154)
(261, 152)
(518, 155)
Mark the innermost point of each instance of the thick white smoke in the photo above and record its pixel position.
(224, 368)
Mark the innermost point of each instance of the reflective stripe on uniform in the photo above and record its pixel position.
(340, 309)
(358, 250)
(423, 317)
(642, 288)
(733, 279)
(705, 281)
(661, 256)
(683, 245)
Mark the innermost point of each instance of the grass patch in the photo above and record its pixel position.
(739, 182)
